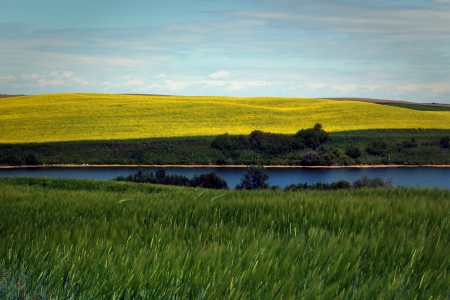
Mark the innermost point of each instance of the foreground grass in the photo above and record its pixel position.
(109, 240)
(70, 117)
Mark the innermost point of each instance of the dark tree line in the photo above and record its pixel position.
(257, 176)
(308, 148)
(209, 180)
(272, 143)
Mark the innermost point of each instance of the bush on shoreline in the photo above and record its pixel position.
(209, 181)
(255, 178)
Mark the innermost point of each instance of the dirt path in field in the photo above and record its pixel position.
(384, 101)
(9, 96)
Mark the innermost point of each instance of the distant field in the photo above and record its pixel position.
(70, 117)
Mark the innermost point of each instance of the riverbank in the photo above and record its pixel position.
(431, 176)
(367, 148)
(221, 166)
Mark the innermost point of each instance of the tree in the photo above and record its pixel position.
(353, 151)
(30, 158)
(312, 137)
(254, 179)
(309, 158)
(445, 142)
(222, 142)
(377, 147)
(160, 175)
(377, 182)
(209, 181)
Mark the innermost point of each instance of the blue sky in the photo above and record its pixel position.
(348, 48)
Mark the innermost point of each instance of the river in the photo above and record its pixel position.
(402, 176)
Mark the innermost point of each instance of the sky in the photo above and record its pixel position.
(392, 49)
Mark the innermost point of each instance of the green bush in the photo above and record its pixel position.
(312, 137)
(310, 158)
(254, 179)
(377, 147)
(353, 151)
(377, 182)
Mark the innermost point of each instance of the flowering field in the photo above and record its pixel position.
(68, 117)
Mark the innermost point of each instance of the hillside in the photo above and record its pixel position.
(71, 117)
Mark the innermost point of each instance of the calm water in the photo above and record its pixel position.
(420, 176)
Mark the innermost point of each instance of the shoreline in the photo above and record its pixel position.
(221, 166)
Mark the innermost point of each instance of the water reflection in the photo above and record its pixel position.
(403, 176)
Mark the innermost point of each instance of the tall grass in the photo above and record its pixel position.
(69, 117)
(163, 242)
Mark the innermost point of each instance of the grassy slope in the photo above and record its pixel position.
(68, 117)
(79, 238)
(198, 150)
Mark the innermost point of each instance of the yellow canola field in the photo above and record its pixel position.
(68, 117)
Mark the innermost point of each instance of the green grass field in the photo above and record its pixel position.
(72, 117)
(67, 239)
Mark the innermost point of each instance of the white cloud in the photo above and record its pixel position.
(7, 78)
(344, 87)
(32, 76)
(134, 82)
(439, 87)
(220, 74)
(131, 82)
(67, 74)
(316, 43)
(407, 88)
(79, 81)
(240, 85)
(176, 85)
(43, 82)
(154, 86)
(373, 87)
(316, 85)
(213, 82)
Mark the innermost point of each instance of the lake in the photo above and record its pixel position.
(402, 176)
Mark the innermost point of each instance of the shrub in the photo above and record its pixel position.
(312, 137)
(336, 185)
(407, 145)
(335, 156)
(377, 147)
(222, 142)
(30, 158)
(254, 179)
(377, 182)
(209, 181)
(353, 151)
(341, 184)
(221, 159)
(445, 142)
(309, 158)
(10, 160)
